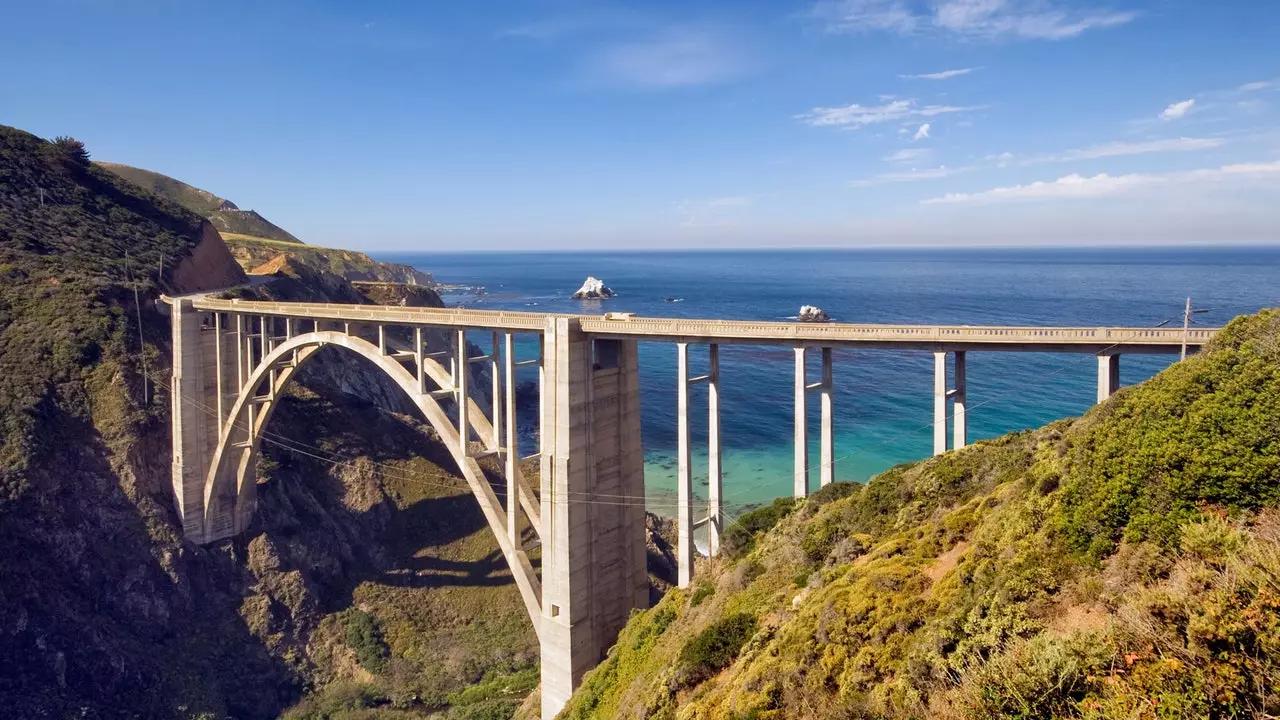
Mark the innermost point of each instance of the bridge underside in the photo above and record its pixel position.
(230, 370)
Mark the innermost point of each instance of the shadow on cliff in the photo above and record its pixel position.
(104, 610)
(369, 496)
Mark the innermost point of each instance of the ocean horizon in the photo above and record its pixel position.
(883, 398)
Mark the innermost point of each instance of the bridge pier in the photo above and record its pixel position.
(801, 468)
(941, 395)
(1108, 376)
(593, 557)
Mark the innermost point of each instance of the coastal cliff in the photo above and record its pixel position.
(368, 562)
(1125, 564)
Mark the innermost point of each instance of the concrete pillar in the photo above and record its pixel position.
(513, 450)
(593, 561)
(495, 376)
(801, 479)
(1108, 376)
(715, 473)
(828, 472)
(684, 475)
(939, 402)
(460, 383)
(241, 375)
(219, 383)
(191, 425)
(419, 352)
(960, 395)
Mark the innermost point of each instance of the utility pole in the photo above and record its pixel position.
(1186, 325)
(142, 345)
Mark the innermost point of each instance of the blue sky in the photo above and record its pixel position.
(560, 124)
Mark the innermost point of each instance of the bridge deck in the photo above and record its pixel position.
(790, 334)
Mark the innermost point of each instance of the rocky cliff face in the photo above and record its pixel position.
(367, 562)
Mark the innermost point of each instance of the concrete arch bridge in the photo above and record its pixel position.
(233, 360)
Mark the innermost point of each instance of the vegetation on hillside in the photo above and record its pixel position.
(369, 580)
(221, 212)
(253, 252)
(1122, 565)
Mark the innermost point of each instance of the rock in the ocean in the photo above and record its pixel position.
(810, 313)
(593, 289)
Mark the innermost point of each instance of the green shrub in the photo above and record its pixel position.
(741, 536)
(364, 635)
(716, 646)
(704, 591)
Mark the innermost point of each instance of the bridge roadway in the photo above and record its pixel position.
(1093, 340)
(234, 358)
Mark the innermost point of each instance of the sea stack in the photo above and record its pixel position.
(593, 289)
(810, 313)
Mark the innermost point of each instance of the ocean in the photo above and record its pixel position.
(883, 399)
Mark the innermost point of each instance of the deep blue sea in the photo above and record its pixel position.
(883, 403)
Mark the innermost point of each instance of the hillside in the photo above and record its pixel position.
(221, 212)
(1125, 564)
(253, 252)
(369, 575)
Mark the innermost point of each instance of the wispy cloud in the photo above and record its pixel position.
(856, 116)
(982, 19)
(1078, 186)
(711, 212)
(922, 133)
(1256, 86)
(943, 75)
(1177, 110)
(848, 16)
(908, 155)
(913, 175)
(672, 59)
(1111, 149)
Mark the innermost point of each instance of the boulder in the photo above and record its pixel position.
(593, 289)
(810, 313)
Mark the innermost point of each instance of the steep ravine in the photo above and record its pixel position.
(367, 575)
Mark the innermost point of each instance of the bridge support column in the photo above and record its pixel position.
(593, 561)
(715, 473)
(939, 402)
(801, 479)
(960, 395)
(1108, 376)
(827, 474)
(194, 431)
(684, 472)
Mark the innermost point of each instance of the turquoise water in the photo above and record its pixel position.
(883, 400)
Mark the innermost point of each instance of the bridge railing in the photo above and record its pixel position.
(624, 324)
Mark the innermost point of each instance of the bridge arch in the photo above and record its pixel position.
(230, 485)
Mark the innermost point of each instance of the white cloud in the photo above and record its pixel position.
(1077, 186)
(1177, 110)
(676, 58)
(1026, 19)
(941, 171)
(984, 19)
(922, 133)
(856, 116)
(711, 212)
(1256, 86)
(850, 16)
(944, 75)
(1112, 149)
(908, 155)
